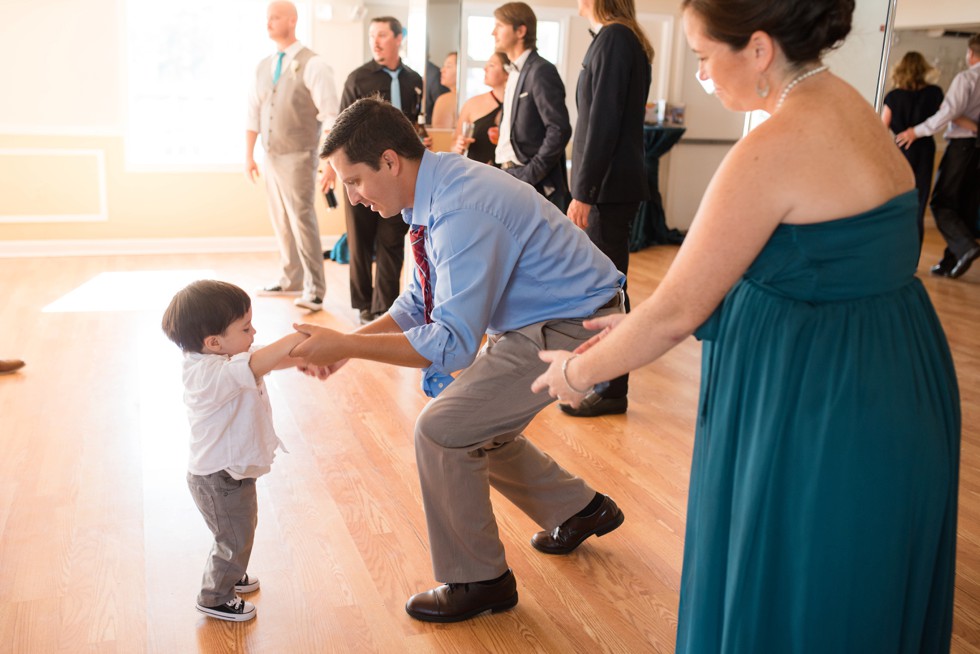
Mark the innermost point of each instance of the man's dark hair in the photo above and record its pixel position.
(367, 128)
(974, 44)
(393, 23)
(204, 308)
(517, 14)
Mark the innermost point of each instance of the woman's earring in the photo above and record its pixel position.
(762, 87)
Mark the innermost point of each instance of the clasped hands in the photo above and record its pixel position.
(322, 350)
(554, 381)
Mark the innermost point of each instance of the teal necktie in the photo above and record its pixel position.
(396, 89)
(275, 75)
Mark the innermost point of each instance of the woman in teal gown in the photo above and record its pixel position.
(822, 501)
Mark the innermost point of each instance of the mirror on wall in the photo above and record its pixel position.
(442, 44)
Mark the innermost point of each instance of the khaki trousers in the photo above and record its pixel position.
(290, 181)
(470, 439)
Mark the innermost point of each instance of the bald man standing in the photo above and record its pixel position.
(291, 102)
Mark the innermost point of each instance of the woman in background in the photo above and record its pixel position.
(608, 169)
(444, 110)
(912, 101)
(484, 112)
(823, 493)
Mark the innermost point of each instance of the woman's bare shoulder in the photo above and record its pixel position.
(823, 160)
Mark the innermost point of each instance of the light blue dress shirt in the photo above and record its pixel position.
(501, 257)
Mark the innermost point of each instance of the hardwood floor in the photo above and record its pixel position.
(101, 548)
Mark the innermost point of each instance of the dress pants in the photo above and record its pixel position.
(371, 236)
(470, 439)
(921, 156)
(290, 181)
(956, 195)
(230, 509)
(610, 227)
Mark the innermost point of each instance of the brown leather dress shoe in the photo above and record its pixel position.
(568, 535)
(8, 366)
(457, 602)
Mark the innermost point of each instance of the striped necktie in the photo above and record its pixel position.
(422, 266)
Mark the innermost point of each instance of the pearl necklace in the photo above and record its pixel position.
(796, 80)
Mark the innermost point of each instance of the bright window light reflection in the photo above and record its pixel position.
(143, 290)
(190, 64)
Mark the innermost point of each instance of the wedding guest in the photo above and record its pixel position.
(821, 514)
(483, 112)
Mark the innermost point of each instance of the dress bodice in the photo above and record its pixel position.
(864, 255)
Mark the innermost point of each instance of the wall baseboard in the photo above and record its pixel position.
(96, 247)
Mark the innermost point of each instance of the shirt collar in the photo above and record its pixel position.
(517, 64)
(292, 50)
(418, 214)
(390, 71)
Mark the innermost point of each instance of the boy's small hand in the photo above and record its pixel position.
(321, 372)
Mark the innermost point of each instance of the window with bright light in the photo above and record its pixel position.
(189, 67)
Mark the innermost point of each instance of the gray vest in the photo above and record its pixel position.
(287, 115)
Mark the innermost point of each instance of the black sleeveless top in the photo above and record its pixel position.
(482, 149)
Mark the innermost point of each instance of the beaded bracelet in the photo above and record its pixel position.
(564, 375)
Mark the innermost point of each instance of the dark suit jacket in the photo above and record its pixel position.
(607, 152)
(369, 79)
(539, 128)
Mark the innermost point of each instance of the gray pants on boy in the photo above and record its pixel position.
(230, 509)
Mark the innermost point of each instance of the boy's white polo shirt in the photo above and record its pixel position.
(230, 416)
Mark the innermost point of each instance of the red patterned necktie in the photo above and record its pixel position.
(422, 266)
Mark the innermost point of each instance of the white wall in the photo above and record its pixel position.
(61, 65)
(937, 13)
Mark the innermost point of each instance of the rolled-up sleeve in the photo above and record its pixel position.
(473, 255)
(318, 77)
(953, 106)
(252, 106)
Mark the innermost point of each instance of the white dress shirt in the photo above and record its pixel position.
(317, 77)
(230, 416)
(505, 149)
(962, 99)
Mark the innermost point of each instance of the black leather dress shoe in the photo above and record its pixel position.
(593, 405)
(457, 602)
(568, 535)
(964, 262)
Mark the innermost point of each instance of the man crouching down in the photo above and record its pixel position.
(492, 256)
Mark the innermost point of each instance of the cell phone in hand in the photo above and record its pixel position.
(331, 198)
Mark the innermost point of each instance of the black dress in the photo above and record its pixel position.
(909, 108)
(483, 150)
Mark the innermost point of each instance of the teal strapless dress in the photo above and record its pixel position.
(822, 507)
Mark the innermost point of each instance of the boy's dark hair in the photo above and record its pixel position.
(367, 128)
(204, 308)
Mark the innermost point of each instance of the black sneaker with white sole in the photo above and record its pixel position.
(276, 289)
(313, 304)
(234, 610)
(247, 584)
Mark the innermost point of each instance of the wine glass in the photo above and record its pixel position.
(466, 131)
